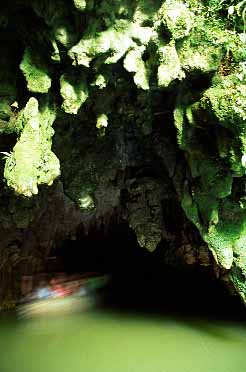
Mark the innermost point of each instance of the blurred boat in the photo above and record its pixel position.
(54, 306)
(78, 294)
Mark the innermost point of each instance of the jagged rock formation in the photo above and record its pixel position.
(127, 110)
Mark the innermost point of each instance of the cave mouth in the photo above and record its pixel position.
(143, 281)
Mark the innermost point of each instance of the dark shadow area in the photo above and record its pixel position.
(141, 282)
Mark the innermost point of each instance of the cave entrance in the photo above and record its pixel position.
(142, 280)
(111, 252)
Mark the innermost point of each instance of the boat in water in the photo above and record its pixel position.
(63, 295)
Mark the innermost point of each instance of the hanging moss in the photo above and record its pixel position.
(74, 93)
(32, 162)
(36, 74)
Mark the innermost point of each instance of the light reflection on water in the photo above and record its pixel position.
(105, 341)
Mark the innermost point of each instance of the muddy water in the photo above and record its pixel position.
(105, 341)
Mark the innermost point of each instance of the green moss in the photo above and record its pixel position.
(211, 131)
(227, 99)
(177, 18)
(115, 9)
(214, 176)
(86, 202)
(208, 206)
(80, 5)
(100, 81)
(81, 189)
(32, 161)
(170, 67)
(227, 238)
(102, 123)
(7, 116)
(148, 236)
(35, 72)
(190, 207)
(134, 63)
(181, 125)
(114, 42)
(5, 108)
(8, 91)
(219, 243)
(238, 279)
(74, 92)
(64, 35)
(55, 55)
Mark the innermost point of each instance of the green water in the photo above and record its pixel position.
(105, 341)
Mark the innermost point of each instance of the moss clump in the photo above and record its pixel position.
(86, 202)
(102, 123)
(191, 54)
(80, 5)
(5, 109)
(170, 66)
(227, 99)
(74, 93)
(211, 131)
(8, 115)
(133, 62)
(177, 18)
(114, 42)
(32, 162)
(100, 81)
(35, 72)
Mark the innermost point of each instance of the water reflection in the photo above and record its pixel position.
(131, 330)
(101, 340)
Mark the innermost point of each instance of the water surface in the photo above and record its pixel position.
(105, 341)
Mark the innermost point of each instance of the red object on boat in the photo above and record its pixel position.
(58, 291)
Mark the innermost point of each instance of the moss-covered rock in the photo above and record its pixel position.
(80, 4)
(74, 92)
(32, 162)
(170, 67)
(177, 18)
(35, 72)
(133, 62)
(209, 199)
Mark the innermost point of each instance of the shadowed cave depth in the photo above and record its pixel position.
(143, 282)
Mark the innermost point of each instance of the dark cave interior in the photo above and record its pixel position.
(141, 281)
